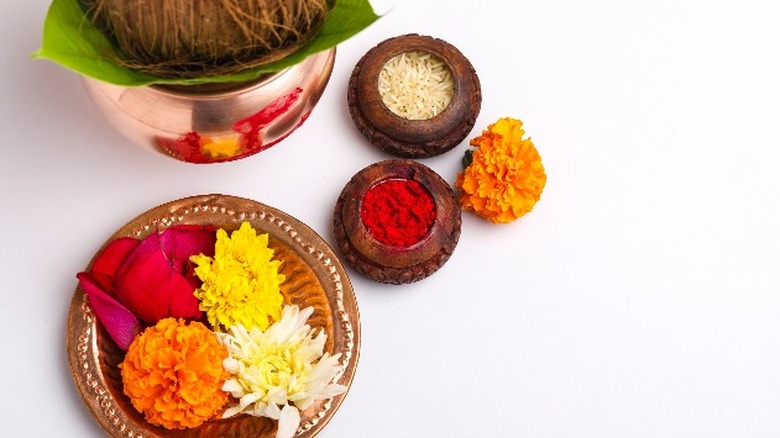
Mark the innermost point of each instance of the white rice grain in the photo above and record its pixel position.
(416, 85)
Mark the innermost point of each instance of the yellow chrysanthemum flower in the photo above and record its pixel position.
(505, 177)
(241, 282)
(279, 371)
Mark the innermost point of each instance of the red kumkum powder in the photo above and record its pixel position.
(398, 212)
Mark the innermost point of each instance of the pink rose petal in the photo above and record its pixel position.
(120, 323)
(180, 242)
(109, 260)
(149, 287)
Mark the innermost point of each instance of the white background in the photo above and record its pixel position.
(640, 298)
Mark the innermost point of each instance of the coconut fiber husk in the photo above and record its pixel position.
(201, 38)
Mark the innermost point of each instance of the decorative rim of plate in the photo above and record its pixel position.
(81, 337)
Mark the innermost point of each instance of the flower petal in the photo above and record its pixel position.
(149, 287)
(258, 410)
(277, 395)
(109, 260)
(249, 399)
(272, 411)
(289, 420)
(180, 242)
(233, 387)
(231, 411)
(333, 390)
(231, 365)
(120, 323)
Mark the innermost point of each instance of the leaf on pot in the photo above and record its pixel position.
(72, 41)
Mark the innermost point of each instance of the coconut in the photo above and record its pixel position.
(202, 38)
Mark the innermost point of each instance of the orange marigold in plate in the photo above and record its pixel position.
(505, 177)
(173, 374)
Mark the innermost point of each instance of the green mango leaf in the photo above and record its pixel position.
(72, 41)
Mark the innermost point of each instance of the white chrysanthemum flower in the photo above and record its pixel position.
(281, 367)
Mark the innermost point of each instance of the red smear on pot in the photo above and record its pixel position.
(249, 128)
(189, 146)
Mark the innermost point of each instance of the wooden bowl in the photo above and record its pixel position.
(403, 137)
(390, 264)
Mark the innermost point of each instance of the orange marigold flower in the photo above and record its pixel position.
(505, 177)
(173, 374)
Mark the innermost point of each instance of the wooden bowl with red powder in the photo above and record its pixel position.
(397, 221)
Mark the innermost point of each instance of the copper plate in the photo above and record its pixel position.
(315, 277)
